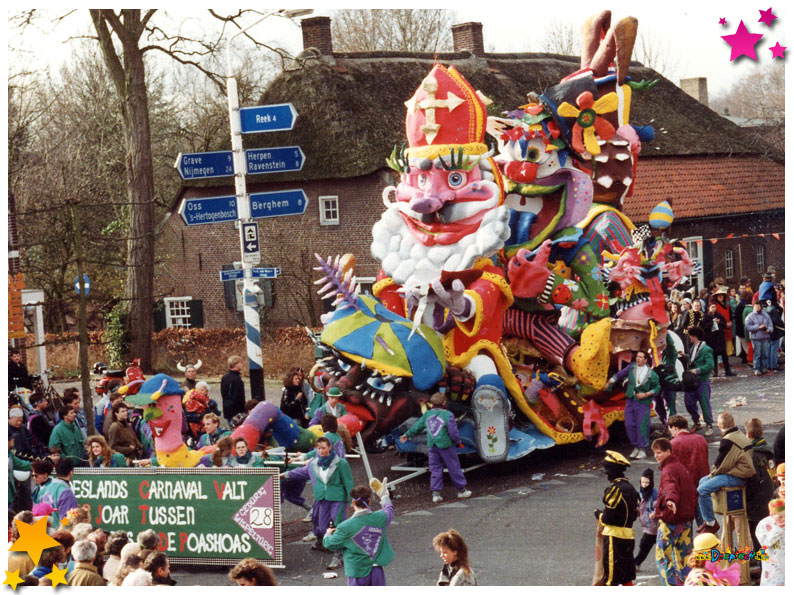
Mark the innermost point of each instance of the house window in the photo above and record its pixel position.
(177, 312)
(759, 259)
(729, 264)
(694, 246)
(366, 284)
(329, 210)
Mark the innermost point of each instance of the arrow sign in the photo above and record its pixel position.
(267, 118)
(231, 275)
(265, 272)
(276, 204)
(249, 239)
(196, 166)
(276, 159)
(86, 284)
(198, 211)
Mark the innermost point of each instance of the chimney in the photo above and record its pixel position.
(697, 88)
(467, 37)
(317, 34)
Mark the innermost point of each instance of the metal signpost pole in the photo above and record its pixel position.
(253, 337)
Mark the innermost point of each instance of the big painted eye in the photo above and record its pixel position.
(421, 180)
(456, 179)
(533, 154)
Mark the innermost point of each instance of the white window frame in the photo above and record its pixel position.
(367, 282)
(696, 254)
(729, 268)
(760, 258)
(334, 206)
(176, 320)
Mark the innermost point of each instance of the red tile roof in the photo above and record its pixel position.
(704, 186)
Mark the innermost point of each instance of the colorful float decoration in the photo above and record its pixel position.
(509, 277)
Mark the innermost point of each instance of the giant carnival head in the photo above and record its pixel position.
(448, 208)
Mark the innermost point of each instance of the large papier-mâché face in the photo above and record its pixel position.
(440, 204)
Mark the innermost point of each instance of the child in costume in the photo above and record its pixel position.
(771, 535)
(442, 436)
(362, 537)
(704, 572)
(645, 512)
(332, 482)
(331, 407)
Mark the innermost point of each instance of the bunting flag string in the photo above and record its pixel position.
(744, 235)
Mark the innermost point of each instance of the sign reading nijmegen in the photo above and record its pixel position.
(210, 516)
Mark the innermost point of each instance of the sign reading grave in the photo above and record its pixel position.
(214, 516)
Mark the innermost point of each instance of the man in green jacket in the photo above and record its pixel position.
(332, 482)
(69, 438)
(642, 386)
(57, 492)
(362, 538)
(701, 363)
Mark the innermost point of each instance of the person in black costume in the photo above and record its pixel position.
(620, 511)
(233, 389)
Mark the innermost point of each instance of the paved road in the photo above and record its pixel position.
(530, 522)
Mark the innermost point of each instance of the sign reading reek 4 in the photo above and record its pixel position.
(202, 516)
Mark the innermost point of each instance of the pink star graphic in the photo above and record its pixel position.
(723, 22)
(778, 51)
(743, 42)
(767, 17)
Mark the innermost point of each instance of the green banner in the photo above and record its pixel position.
(202, 515)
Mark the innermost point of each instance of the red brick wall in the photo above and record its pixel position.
(193, 255)
(468, 37)
(744, 249)
(317, 34)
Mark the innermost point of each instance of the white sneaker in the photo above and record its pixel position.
(437, 497)
(308, 517)
(336, 562)
(464, 493)
(709, 431)
(633, 454)
(309, 538)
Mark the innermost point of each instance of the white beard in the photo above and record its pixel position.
(409, 263)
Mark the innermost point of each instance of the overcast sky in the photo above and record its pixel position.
(690, 30)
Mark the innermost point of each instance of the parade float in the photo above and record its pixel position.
(510, 278)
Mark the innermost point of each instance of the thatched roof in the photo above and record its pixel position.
(351, 108)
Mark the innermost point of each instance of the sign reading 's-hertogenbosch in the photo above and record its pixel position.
(198, 211)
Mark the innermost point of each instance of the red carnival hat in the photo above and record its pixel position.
(445, 113)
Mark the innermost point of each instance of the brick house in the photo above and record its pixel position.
(351, 110)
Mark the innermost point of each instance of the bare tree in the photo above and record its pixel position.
(405, 29)
(138, 34)
(760, 94)
(658, 54)
(562, 37)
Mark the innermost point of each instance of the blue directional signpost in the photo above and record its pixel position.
(276, 204)
(277, 159)
(232, 275)
(267, 118)
(197, 166)
(265, 272)
(198, 211)
(218, 164)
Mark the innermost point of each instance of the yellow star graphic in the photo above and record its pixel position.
(33, 539)
(57, 576)
(12, 579)
(64, 521)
